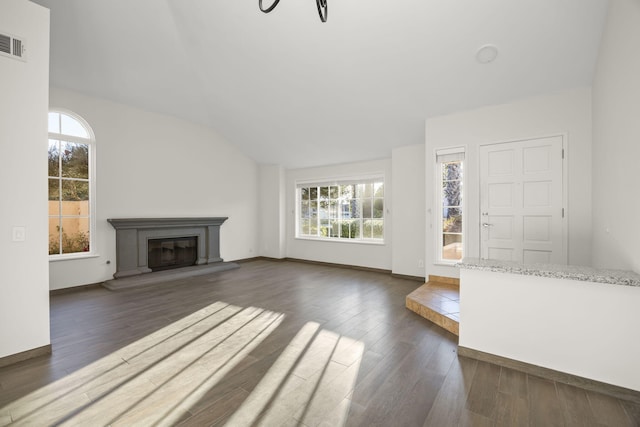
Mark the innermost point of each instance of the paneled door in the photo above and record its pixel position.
(521, 201)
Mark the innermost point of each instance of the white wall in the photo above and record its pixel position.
(348, 253)
(559, 113)
(408, 210)
(272, 218)
(24, 289)
(616, 141)
(152, 165)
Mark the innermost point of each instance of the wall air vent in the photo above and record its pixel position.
(12, 47)
(5, 44)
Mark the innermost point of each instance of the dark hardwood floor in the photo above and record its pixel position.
(275, 343)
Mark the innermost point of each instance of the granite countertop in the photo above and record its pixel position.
(556, 271)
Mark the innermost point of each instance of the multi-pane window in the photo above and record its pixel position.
(70, 170)
(344, 210)
(450, 236)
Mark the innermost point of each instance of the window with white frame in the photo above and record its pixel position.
(71, 183)
(347, 210)
(450, 236)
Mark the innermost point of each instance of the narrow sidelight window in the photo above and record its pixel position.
(450, 236)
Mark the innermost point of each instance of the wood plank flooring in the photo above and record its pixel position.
(278, 344)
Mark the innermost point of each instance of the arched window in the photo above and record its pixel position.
(71, 184)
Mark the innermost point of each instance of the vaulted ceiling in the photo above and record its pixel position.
(288, 89)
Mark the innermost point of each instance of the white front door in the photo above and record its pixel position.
(521, 201)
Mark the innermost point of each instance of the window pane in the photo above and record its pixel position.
(54, 197)
(333, 209)
(75, 160)
(324, 228)
(75, 235)
(355, 209)
(378, 189)
(452, 220)
(304, 209)
(304, 226)
(451, 193)
(367, 206)
(313, 210)
(314, 193)
(354, 229)
(333, 228)
(75, 190)
(333, 192)
(304, 193)
(54, 207)
(54, 236)
(324, 193)
(452, 247)
(344, 210)
(71, 126)
(54, 158)
(364, 190)
(54, 122)
(313, 227)
(323, 213)
(54, 189)
(378, 208)
(378, 228)
(367, 229)
(452, 171)
(347, 191)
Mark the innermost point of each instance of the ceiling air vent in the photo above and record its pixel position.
(11, 46)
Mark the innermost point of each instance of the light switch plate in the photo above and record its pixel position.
(19, 234)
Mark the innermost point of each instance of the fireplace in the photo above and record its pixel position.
(176, 252)
(144, 245)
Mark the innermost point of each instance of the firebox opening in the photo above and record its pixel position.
(165, 254)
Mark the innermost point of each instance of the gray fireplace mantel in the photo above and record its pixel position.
(133, 234)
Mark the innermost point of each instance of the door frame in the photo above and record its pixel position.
(565, 223)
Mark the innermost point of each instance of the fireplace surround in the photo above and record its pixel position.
(133, 235)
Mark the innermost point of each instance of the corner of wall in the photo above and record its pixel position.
(24, 295)
(616, 130)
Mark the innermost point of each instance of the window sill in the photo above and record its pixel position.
(70, 257)
(357, 242)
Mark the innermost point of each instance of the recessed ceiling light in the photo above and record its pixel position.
(487, 54)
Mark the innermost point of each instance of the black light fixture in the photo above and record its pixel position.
(322, 8)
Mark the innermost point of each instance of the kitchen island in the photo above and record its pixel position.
(573, 324)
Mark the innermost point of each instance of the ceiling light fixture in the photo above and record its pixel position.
(322, 8)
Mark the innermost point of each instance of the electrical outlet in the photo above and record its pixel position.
(420, 263)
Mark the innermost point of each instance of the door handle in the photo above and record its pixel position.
(486, 224)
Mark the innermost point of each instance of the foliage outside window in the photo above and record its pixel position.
(342, 211)
(69, 164)
(450, 235)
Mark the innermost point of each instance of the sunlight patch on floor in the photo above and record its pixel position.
(310, 382)
(154, 380)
